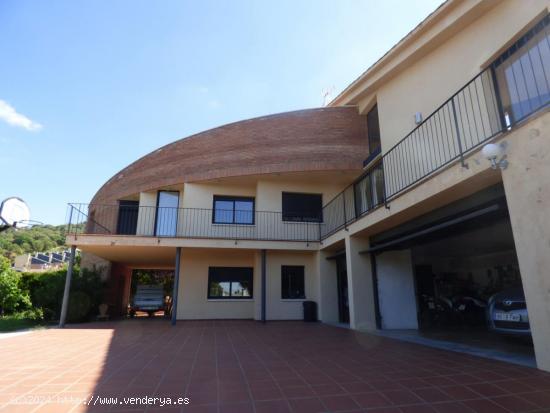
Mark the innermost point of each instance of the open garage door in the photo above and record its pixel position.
(454, 275)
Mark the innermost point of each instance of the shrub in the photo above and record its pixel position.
(46, 292)
(80, 305)
(12, 296)
(32, 314)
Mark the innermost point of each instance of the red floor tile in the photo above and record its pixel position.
(431, 395)
(339, 403)
(372, 399)
(514, 404)
(309, 405)
(242, 366)
(401, 397)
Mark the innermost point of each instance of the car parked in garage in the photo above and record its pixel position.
(148, 298)
(507, 312)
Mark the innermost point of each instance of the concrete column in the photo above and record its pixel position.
(257, 285)
(176, 287)
(68, 279)
(527, 187)
(264, 285)
(396, 291)
(327, 288)
(360, 287)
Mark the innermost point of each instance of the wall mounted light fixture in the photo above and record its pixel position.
(495, 153)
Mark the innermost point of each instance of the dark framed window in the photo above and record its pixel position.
(127, 217)
(523, 73)
(292, 282)
(369, 190)
(230, 282)
(373, 132)
(233, 210)
(302, 207)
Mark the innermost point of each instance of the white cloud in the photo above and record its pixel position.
(9, 115)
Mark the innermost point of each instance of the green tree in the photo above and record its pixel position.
(11, 295)
(30, 240)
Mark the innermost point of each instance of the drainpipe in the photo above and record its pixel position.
(264, 278)
(68, 279)
(176, 286)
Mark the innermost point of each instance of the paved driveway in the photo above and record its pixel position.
(244, 366)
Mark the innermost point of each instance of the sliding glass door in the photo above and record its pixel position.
(167, 214)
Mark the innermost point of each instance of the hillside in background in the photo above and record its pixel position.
(37, 239)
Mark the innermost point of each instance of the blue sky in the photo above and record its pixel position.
(87, 87)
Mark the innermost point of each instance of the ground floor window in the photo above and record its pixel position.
(230, 282)
(292, 282)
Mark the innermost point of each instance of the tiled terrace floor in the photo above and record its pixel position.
(244, 366)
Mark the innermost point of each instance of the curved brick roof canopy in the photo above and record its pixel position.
(332, 138)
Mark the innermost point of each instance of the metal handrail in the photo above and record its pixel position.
(470, 117)
(152, 221)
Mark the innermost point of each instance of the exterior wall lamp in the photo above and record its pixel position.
(494, 153)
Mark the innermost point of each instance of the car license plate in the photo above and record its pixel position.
(507, 317)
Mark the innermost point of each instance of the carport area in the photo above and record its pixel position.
(451, 279)
(139, 280)
(247, 366)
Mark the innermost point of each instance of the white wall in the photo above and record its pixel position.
(396, 292)
(146, 213)
(284, 309)
(193, 287)
(196, 218)
(442, 71)
(269, 199)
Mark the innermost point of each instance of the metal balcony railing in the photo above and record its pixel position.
(513, 88)
(187, 223)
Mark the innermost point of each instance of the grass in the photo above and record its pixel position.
(18, 321)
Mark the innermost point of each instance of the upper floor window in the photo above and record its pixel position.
(523, 73)
(373, 131)
(302, 207)
(233, 210)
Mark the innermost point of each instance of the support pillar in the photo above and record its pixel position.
(264, 281)
(527, 187)
(362, 314)
(68, 279)
(328, 287)
(176, 286)
(396, 290)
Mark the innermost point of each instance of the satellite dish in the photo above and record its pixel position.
(14, 212)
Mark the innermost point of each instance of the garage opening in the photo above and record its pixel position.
(151, 294)
(453, 276)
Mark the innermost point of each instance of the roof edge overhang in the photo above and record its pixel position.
(417, 43)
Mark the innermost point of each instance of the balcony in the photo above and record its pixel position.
(145, 221)
(514, 87)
